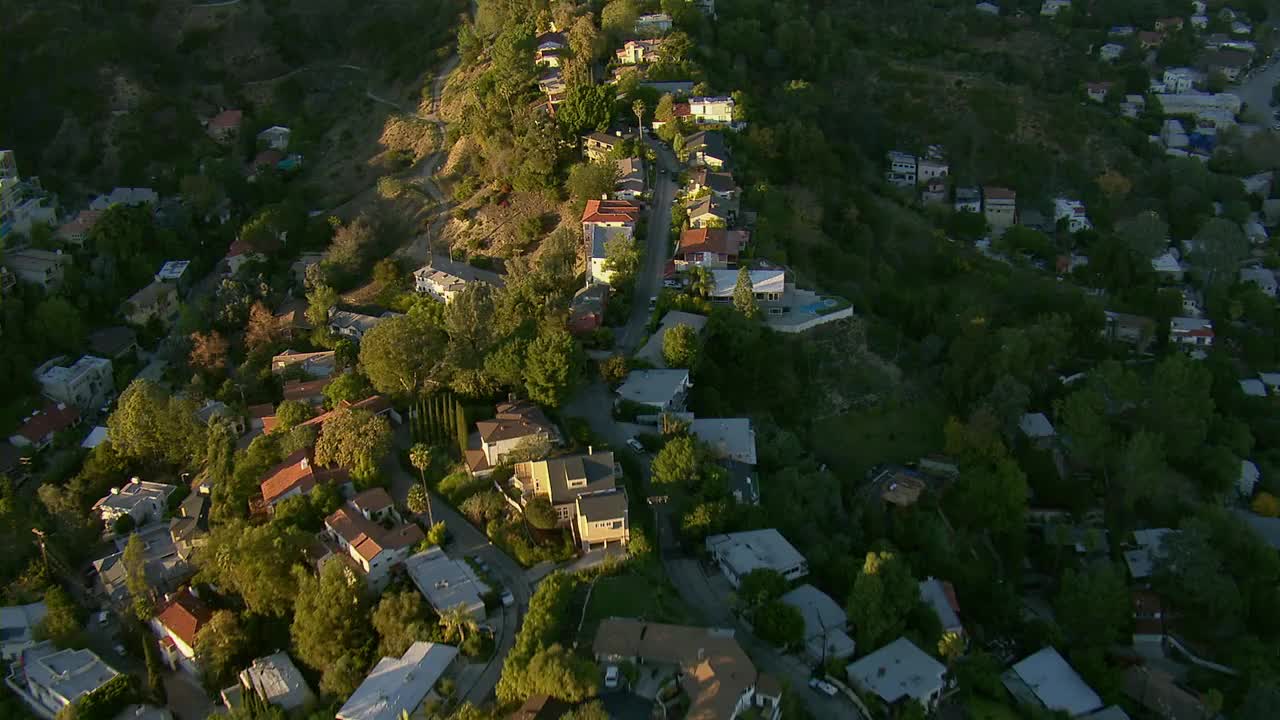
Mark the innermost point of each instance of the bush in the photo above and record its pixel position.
(123, 525)
(456, 487)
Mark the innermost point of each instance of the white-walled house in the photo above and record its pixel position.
(143, 501)
(356, 528)
(177, 624)
(1073, 211)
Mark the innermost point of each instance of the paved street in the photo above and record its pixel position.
(1255, 92)
(657, 248)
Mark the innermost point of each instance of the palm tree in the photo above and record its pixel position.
(458, 618)
(701, 281)
(420, 458)
(637, 107)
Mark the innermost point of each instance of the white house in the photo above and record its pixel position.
(142, 500)
(968, 199)
(1037, 428)
(1191, 331)
(443, 279)
(277, 681)
(824, 624)
(1051, 8)
(1262, 277)
(663, 390)
(1046, 678)
(177, 624)
(651, 25)
(17, 625)
(1167, 267)
(1180, 79)
(275, 138)
(447, 583)
(1073, 211)
(898, 672)
(711, 110)
(87, 383)
(902, 169)
(739, 553)
(355, 325)
(1110, 52)
(52, 679)
(399, 685)
(987, 8)
(358, 529)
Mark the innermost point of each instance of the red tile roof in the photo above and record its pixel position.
(183, 616)
(998, 193)
(374, 500)
(367, 537)
(298, 390)
(49, 420)
(298, 471)
(375, 404)
(82, 223)
(680, 110)
(226, 120)
(712, 240)
(610, 211)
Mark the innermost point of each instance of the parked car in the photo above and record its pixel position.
(653, 303)
(634, 444)
(823, 687)
(508, 599)
(611, 677)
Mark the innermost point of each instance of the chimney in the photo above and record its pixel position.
(304, 463)
(135, 480)
(590, 450)
(115, 491)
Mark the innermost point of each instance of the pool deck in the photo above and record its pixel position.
(801, 316)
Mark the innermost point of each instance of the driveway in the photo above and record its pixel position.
(186, 698)
(470, 542)
(657, 248)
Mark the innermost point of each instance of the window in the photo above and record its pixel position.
(616, 525)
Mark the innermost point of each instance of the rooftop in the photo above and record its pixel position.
(772, 280)
(652, 350)
(941, 596)
(564, 478)
(653, 386)
(134, 493)
(278, 681)
(446, 582)
(513, 420)
(455, 275)
(898, 670)
(297, 472)
(731, 438)
(602, 505)
(1054, 683)
(397, 685)
(183, 615)
(69, 674)
(172, 270)
(753, 549)
(610, 211)
(821, 614)
(51, 419)
(367, 537)
(1036, 425)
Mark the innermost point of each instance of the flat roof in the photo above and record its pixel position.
(773, 280)
(753, 549)
(70, 674)
(898, 670)
(446, 582)
(653, 386)
(821, 614)
(729, 438)
(278, 681)
(397, 685)
(1056, 684)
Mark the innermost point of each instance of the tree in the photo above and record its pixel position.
(290, 414)
(221, 646)
(420, 458)
(593, 710)
(469, 323)
(761, 586)
(263, 330)
(550, 365)
(320, 301)
(585, 107)
(951, 646)
(354, 439)
(590, 180)
(680, 346)
(349, 386)
(638, 108)
(539, 513)
(209, 352)
(622, 259)
(778, 623)
(557, 672)
(437, 534)
(255, 562)
(1262, 702)
(1093, 607)
(744, 296)
(354, 244)
(135, 577)
(61, 622)
(1220, 247)
(1266, 505)
(618, 18)
(1145, 234)
(884, 593)
(150, 426)
(458, 620)
(400, 619)
(331, 631)
(614, 369)
(60, 324)
(403, 355)
(677, 463)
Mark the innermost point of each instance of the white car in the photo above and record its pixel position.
(508, 599)
(823, 687)
(634, 444)
(611, 677)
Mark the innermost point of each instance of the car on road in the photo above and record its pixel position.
(673, 284)
(508, 599)
(611, 677)
(823, 687)
(485, 629)
(634, 444)
(653, 303)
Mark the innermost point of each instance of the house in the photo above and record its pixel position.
(157, 301)
(1073, 212)
(733, 442)
(310, 392)
(163, 565)
(711, 247)
(769, 285)
(1121, 31)
(651, 352)
(177, 624)
(1168, 25)
(375, 549)
(707, 149)
(239, 254)
(1200, 105)
(1167, 267)
(651, 25)
(96, 437)
(940, 595)
(739, 553)
(714, 672)
(934, 191)
(1272, 381)
(1045, 679)
(313, 364)
(443, 279)
(17, 628)
(275, 138)
(225, 126)
(900, 672)
(37, 267)
(999, 208)
(987, 8)
(1097, 91)
(1051, 8)
(1110, 52)
(968, 199)
(189, 529)
(1179, 79)
(824, 624)
(39, 429)
(562, 479)
(1230, 63)
(1134, 330)
(1148, 40)
(600, 519)
(1191, 331)
(87, 383)
(1162, 695)
(638, 52)
(717, 110)
(710, 211)
(1199, 22)
(548, 47)
(277, 681)
(605, 221)
(143, 501)
(51, 679)
(515, 426)
(586, 310)
(720, 184)
(661, 390)
(355, 325)
(298, 475)
(1247, 482)
(447, 583)
(23, 203)
(932, 164)
(1037, 428)
(902, 169)
(551, 82)
(76, 231)
(113, 342)
(599, 146)
(631, 179)
(1262, 277)
(1148, 547)
(399, 686)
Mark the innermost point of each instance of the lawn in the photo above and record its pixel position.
(632, 595)
(854, 442)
